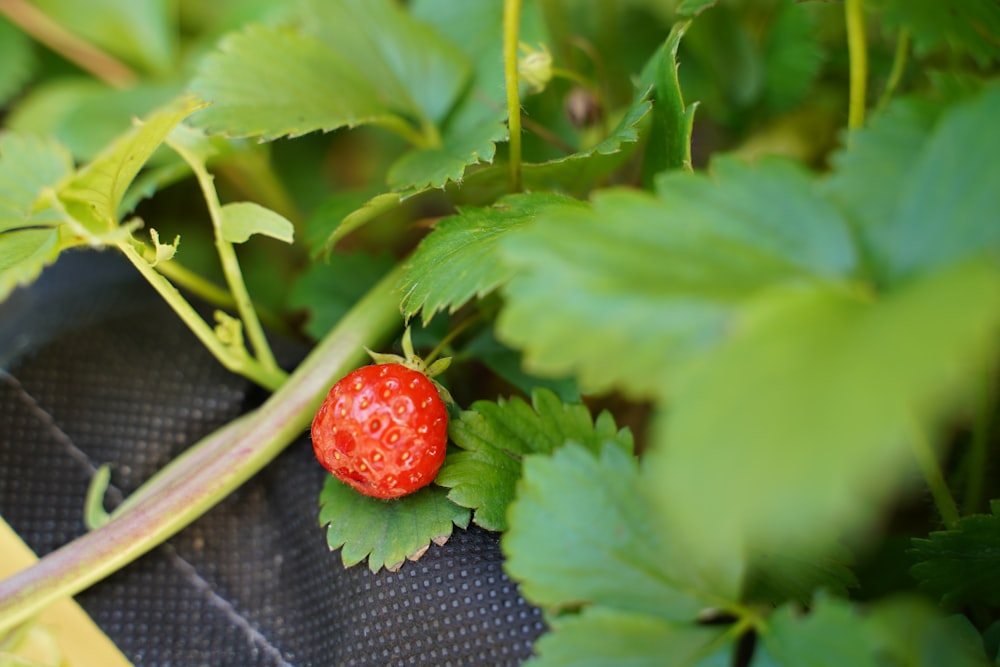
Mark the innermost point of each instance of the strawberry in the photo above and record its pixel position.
(383, 429)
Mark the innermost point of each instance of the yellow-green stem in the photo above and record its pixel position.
(898, 67)
(230, 265)
(243, 364)
(208, 291)
(511, 36)
(927, 461)
(857, 49)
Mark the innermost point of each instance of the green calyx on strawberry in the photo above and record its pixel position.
(383, 428)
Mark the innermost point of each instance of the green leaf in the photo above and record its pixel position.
(579, 171)
(86, 114)
(92, 195)
(581, 534)
(818, 398)
(458, 260)
(869, 172)
(479, 119)
(947, 203)
(962, 565)
(506, 363)
(670, 137)
(351, 62)
(30, 238)
(970, 26)
(162, 252)
(641, 283)
(386, 532)
(475, 28)
(241, 220)
(273, 81)
(691, 8)
(908, 630)
(141, 33)
(23, 255)
(460, 148)
(833, 634)
(792, 58)
(18, 57)
(28, 165)
(898, 631)
(495, 438)
(575, 173)
(781, 576)
(600, 637)
(410, 62)
(327, 290)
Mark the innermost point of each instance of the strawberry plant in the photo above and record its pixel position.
(719, 281)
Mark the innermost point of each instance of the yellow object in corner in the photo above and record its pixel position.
(63, 635)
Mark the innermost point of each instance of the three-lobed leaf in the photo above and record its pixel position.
(386, 532)
(495, 438)
(348, 63)
(641, 283)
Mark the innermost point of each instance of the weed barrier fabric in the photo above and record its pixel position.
(94, 368)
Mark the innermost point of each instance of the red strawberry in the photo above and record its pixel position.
(383, 428)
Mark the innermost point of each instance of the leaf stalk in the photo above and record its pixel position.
(230, 265)
(857, 49)
(511, 36)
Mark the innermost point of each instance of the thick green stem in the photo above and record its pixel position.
(224, 461)
(511, 35)
(857, 49)
(230, 265)
(238, 363)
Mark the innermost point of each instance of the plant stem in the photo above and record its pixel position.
(238, 363)
(224, 460)
(979, 451)
(858, 56)
(511, 33)
(898, 67)
(78, 51)
(230, 265)
(208, 291)
(450, 336)
(927, 461)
